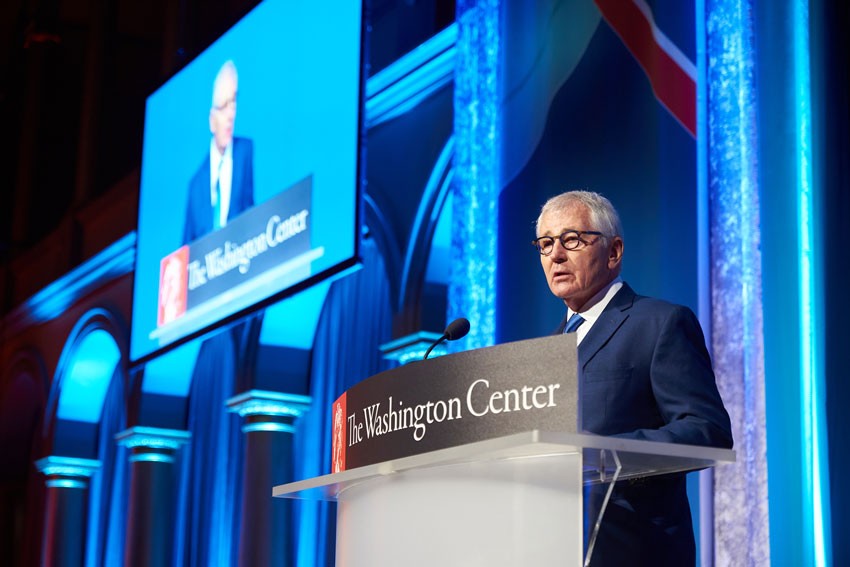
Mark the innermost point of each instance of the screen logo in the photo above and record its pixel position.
(339, 436)
(173, 286)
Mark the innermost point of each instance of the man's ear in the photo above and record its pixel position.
(615, 252)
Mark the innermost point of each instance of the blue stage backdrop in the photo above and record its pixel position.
(612, 109)
(600, 95)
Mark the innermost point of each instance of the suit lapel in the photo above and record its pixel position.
(615, 313)
(204, 214)
(235, 181)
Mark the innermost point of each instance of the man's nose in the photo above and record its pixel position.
(559, 253)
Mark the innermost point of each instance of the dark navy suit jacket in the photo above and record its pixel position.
(199, 210)
(645, 373)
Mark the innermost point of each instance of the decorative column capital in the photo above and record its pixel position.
(265, 410)
(152, 444)
(413, 347)
(67, 472)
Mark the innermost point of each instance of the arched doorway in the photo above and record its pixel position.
(84, 468)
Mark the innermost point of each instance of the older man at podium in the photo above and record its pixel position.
(644, 373)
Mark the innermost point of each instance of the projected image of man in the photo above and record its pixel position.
(223, 186)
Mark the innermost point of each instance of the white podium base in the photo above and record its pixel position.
(506, 512)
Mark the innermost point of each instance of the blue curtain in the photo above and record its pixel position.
(355, 321)
(211, 465)
(108, 488)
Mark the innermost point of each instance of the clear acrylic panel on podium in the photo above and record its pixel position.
(506, 501)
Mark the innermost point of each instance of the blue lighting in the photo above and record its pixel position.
(170, 374)
(413, 347)
(264, 402)
(151, 458)
(438, 269)
(54, 299)
(705, 538)
(434, 212)
(741, 517)
(304, 307)
(477, 165)
(90, 373)
(268, 426)
(55, 465)
(703, 229)
(153, 438)
(407, 82)
(65, 483)
(816, 472)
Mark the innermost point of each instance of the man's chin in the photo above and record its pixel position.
(562, 292)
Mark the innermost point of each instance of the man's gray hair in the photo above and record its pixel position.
(603, 215)
(228, 68)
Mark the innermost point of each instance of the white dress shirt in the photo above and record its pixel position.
(597, 303)
(226, 163)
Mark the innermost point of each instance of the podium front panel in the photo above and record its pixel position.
(521, 511)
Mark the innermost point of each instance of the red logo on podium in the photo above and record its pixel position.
(173, 286)
(339, 435)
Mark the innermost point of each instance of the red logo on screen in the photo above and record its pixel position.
(339, 436)
(173, 286)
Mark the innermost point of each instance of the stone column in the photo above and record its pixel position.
(477, 170)
(267, 529)
(153, 494)
(66, 509)
(741, 515)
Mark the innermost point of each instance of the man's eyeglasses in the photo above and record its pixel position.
(230, 101)
(570, 240)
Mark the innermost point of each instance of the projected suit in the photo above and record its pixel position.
(200, 210)
(644, 373)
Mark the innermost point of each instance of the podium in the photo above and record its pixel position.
(495, 475)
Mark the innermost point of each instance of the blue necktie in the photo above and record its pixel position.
(217, 198)
(574, 322)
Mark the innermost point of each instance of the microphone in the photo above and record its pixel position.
(455, 330)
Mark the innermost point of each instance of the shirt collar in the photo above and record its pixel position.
(599, 302)
(216, 156)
